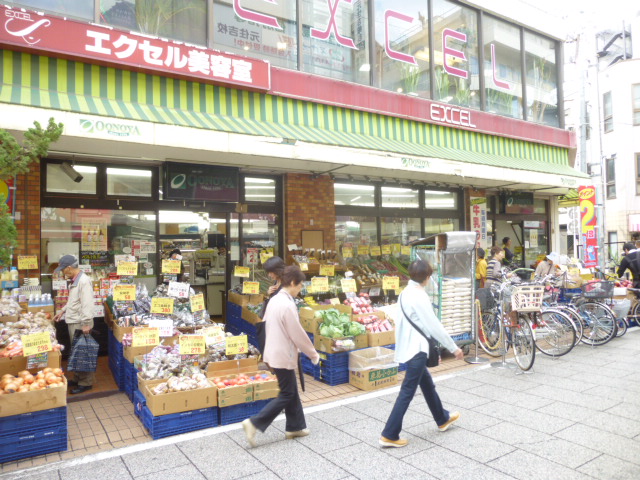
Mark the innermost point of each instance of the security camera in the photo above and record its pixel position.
(71, 172)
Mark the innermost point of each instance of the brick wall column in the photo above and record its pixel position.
(28, 206)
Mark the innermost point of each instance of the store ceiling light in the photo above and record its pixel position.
(128, 173)
(258, 180)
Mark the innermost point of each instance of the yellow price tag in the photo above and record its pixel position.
(162, 305)
(310, 300)
(390, 283)
(192, 345)
(214, 335)
(363, 249)
(320, 284)
(145, 336)
(304, 267)
(197, 302)
(264, 256)
(124, 293)
(27, 262)
(328, 270)
(396, 247)
(375, 251)
(171, 266)
(35, 343)
(386, 249)
(334, 301)
(241, 272)
(405, 250)
(237, 345)
(251, 287)
(347, 252)
(128, 269)
(348, 285)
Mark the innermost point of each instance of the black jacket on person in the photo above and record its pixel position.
(631, 261)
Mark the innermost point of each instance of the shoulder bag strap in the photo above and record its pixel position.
(411, 322)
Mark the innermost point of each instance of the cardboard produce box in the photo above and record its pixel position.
(177, 402)
(130, 353)
(373, 368)
(50, 309)
(308, 320)
(232, 367)
(244, 300)
(250, 317)
(16, 364)
(378, 339)
(26, 402)
(328, 344)
(9, 318)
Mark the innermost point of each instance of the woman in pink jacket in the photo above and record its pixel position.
(285, 338)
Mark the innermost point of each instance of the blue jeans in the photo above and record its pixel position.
(417, 374)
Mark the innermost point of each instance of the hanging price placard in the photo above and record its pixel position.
(192, 344)
(129, 269)
(390, 283)
(237, 345)
(405, 250)
(348, 285)
(374, 292)
(386, 249)
(197, 302)
(334, 301)
(375, 251)
(304, 267)
(320, 284)
(214, 335)
(58, 284)
(145, 337)
(396, 248)
(347, 252)
(171, 266)
(161, 305)
(328, 270)
(124, 293)
(36, 343)
(251, 287)
(27, 262)
(264, 256)
(241, 272)
(179, 289)
(363, 249)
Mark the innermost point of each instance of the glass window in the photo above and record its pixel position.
(636, 104)
(400, 197)
(354, 231)
(637, 173)
(82, 9)
(402, 47)
(60, 178)
(358, 195)
(455, 33)
(612, 240)
(128, 182)
(257, 28)
(184, 20)
(335, 39)
(539, 205)
(440, 225)
(438, 200)
(542, 79)
(502, 67)
(259, 189)
(611, 177)
(607, 110)
(400, 230)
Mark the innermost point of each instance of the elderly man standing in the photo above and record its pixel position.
(78, 313)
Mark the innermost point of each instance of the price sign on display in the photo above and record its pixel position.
(348, 285)
(363, 249)
(386, 249)
(374, 292)
(328, 270)
(237, 345)
(375, 251)
(128, 269)
(197, 302)
(192, 344)
(347, 252)
(27, 262)
(179, 289)
(405, 250)
(40, 360)
(390, 283)
(304, 267)
(320, 284)
(396, 247)
(334, 301)
(214, 335)
(36, 343)
(145, 337)
(124, 293)
(264, 256)
(241, 272)
(59, 284)
(163, 306)
(251, 287)
(253, 254)
(165, 327)
(171, 266)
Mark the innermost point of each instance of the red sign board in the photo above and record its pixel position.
(29, 30)
(587, 196)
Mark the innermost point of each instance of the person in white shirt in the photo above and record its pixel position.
(413, 349)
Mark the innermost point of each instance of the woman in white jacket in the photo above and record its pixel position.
(413, 349)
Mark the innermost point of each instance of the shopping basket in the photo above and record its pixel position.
(599, 289)
(527, 298)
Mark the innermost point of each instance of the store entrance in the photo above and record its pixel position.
(513, 230)
(529, 240)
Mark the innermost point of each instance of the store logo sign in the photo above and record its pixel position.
(179, 182)
(415, 163)
(568, 181)
(201, 182)
(26, 31)
(110, 128)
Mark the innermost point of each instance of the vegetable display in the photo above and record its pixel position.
(190, 379)
(26, 382)
(359, 304)
(242, 379)
(337, 325)
(11, 333)
(375, 324)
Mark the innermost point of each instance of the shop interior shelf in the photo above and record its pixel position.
(24, 445)
(176, 423)
(33, 421)
(237, 413)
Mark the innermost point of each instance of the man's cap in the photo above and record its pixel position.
(554, 257)
(66, 261)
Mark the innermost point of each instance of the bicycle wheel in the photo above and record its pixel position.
(554, 333)
(491, 333)
(524, 346)
(598, 322)
(577, 321)
(622, 325)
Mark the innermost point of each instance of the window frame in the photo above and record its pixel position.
(607, 112)
(610, 184)
(105, 174)
(637, 174)
(635, 107)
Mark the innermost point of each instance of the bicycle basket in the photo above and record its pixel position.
(600, 289)
(527, 298)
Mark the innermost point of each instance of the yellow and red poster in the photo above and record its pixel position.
(588, 220)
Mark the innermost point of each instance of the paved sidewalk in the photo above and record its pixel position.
(574, 417)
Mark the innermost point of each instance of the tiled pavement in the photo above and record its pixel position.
(573, 417)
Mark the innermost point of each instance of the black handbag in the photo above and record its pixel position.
(433, 359)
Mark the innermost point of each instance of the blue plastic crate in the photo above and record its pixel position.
(130, 379)
(24, 445)
(233, 309)
(464, 337)
(33, 421)
(176, 423)
(333, 368)
(307, 366)
(138, 401)
(237, 413)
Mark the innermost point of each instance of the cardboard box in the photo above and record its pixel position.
(16, 364)
(373, 368)
(250, 317)
(26, 402)
(119, 332)
(130, 353)
(50, 309)
(308, 320)
(232, 367)
(380, 338)
(265, 394)
(374, 379)
(177, 402)
(244, 300)
(235, 400)
(142, 382)
(9, 318)
(326, 344)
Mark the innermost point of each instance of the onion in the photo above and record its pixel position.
(29, 379)
(58, 372)
(23, 388)
(47, 370)
(11, 388)
(24, 373)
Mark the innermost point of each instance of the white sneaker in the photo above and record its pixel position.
(299, 433)
(250, 432)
